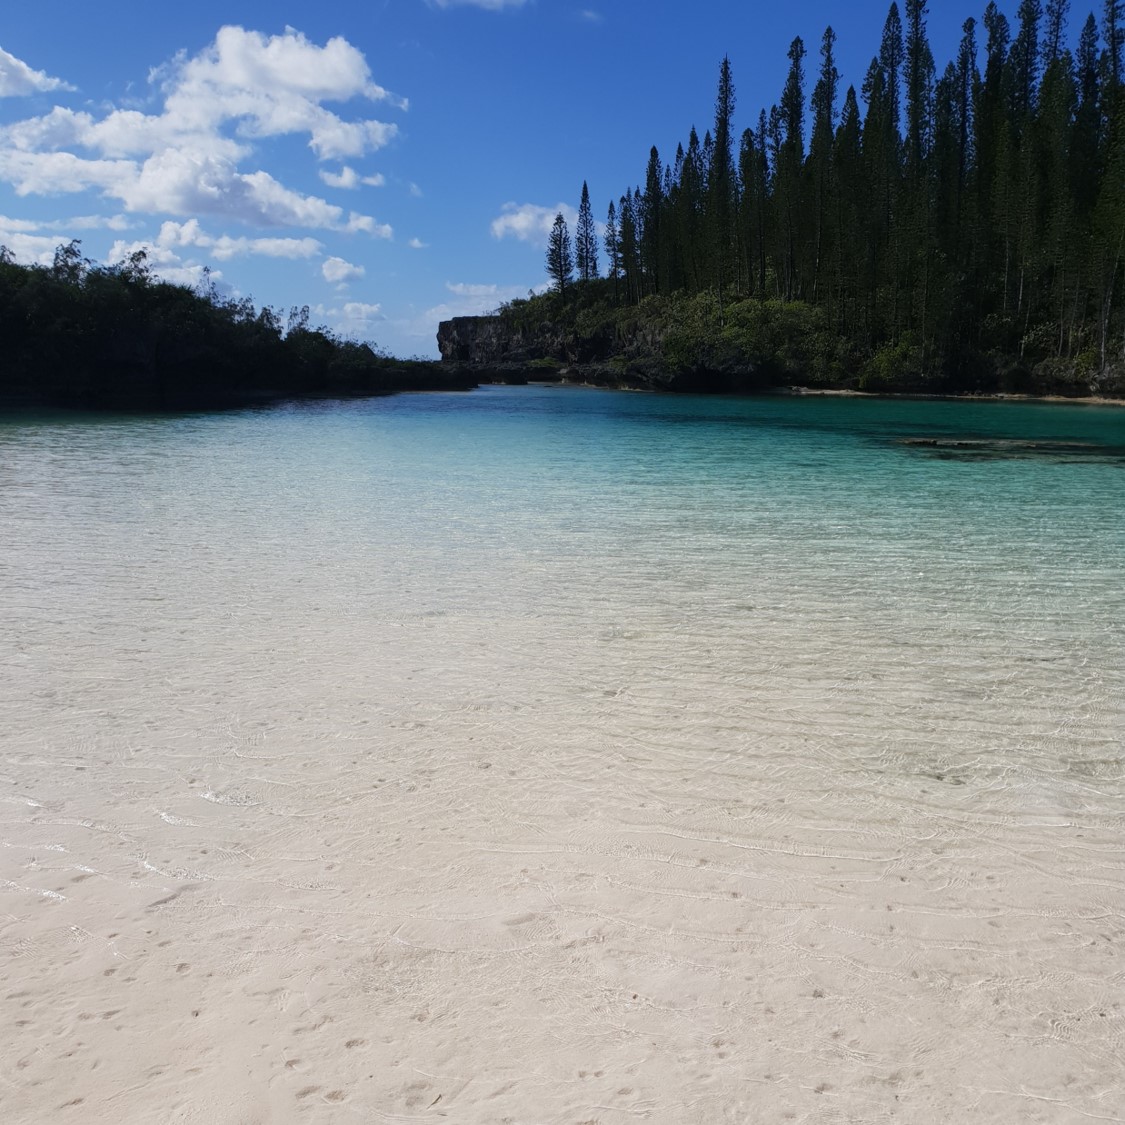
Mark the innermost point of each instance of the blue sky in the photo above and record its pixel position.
(390, 163)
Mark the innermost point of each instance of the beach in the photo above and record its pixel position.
(524, 823)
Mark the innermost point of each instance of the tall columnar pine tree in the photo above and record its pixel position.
(891, 60)
(1113, 72)
(650, 213)
(820, 154)
(1054, 31)
(1025, 60)
(586, 239)
(918, 77)
(981, 212)
(790, 162)
(720, 202)
(627, 247)
(612, 249)
(560, 256)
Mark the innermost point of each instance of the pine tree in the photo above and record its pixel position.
(627, 247)
(1087, 122)
(612, 250)
(560, 257)
(1025, 58)
(586, 239)
(851, 205)
(918, 76)
(721, 185)
(1113, 73)
(689, 214)
(1113, 31)
(1054, 33)
(792, 155)
(820, 150)
(891, 59)
(649, 215)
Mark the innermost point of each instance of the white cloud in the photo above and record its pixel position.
(24, 226)
(349, 179)
(90, 222)
(487, 293)
(188, 159)
(354, 319)
(466, 299)
(415, 191)
(166, 263)
(340, 272)
(488, 5)
(357, 310)
(17, 79)
(32, 241)
(33, 249)
(590, 16)
(226, 247)
(369, 226)
(417, 244)
(529, 222)
(173, 237)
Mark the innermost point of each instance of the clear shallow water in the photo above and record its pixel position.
(671, 721)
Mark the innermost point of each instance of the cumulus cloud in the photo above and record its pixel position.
(354, 319)
(188, 159)
(26, 244)
(166, 252)
(369, 226)
(349, 179)
(224, 247)
(18, 79)
(340, 272)
(34, 241)
(166, 263)
(417, 244)
(530, 222)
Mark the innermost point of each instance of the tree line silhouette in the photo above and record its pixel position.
(953, 216)
(82, 335)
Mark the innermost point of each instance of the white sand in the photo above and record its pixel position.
(466, 870)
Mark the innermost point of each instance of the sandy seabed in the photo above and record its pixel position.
(519, 870)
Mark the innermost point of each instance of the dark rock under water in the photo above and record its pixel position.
(1006, 448)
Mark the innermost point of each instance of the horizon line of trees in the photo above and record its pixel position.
(79, 334)
(957, 213)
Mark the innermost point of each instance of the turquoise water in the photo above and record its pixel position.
(730, 681)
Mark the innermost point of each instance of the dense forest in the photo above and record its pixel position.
(931, 230)
(81, 335)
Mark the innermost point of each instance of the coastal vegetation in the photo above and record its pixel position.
(81, 335)
(955, 229)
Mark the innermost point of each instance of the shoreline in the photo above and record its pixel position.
(989, 396)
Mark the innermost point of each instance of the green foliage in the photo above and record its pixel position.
(560, 256)
(975, 215)
(77, 334)
(892, 366)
